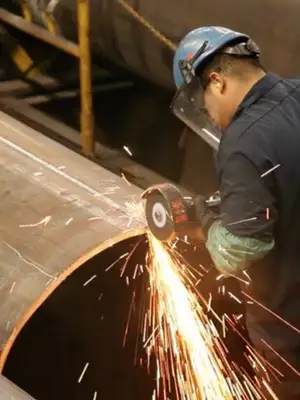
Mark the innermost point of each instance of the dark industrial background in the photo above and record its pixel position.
(132, 90)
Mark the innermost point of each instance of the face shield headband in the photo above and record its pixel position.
(188, 102)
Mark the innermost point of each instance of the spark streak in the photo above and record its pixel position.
(128, 151)
(184, 330)
(89, 280)
(189, 350)
(43, 221)
(270, 170)
(83, 372)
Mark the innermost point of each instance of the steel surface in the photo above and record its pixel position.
(9, 391)
(58, 209)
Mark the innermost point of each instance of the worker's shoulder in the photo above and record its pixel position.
(259, 130)
(270, 109)
(268, 117)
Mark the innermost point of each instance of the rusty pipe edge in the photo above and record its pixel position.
(54, 285)
(59, 209)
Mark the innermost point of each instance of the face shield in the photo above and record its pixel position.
(188, 106)
(188, 103)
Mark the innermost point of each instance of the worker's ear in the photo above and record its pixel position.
(217, 82)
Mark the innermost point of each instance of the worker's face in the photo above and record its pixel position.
(218, 101)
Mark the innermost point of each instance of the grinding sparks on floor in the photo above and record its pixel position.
(187, 346)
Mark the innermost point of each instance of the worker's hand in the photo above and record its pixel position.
(204, 214)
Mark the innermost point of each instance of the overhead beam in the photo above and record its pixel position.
(39, 33)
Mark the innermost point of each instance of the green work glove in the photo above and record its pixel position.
(204, 214)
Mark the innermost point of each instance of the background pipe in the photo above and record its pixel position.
(121, 38)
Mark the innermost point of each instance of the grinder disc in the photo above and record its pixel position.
(158, 217)
(166, 211)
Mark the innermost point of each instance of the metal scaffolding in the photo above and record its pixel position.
(82, 51)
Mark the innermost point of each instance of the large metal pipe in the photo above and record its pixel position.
(60, 323)
(124, 40)
(58, 209)
(9, 391)
(79, 332)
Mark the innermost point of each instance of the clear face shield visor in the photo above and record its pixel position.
(188, 106)
(188, 103)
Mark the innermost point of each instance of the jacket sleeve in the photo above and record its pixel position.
(244, 232)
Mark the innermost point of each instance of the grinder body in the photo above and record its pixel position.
(169, 214)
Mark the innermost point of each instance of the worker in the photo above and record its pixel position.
(220, 81)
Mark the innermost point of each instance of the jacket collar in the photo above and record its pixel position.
(259, 90)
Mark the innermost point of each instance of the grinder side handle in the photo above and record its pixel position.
(196, 231)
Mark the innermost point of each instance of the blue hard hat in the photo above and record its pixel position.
(216, 38)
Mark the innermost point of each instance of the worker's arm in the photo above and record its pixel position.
(244, 231)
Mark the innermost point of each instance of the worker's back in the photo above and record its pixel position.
(266, 130)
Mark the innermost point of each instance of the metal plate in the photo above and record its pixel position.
(58, 209)
(9, 391)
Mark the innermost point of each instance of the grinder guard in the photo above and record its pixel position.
(168, 214)
(188, 102)
(171, 215)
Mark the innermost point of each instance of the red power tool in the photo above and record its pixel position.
(168, 213)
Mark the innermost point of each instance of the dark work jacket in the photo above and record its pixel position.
(263, 203)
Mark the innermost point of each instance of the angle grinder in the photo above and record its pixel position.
(168, 213)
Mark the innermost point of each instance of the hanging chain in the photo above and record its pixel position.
(147, 24)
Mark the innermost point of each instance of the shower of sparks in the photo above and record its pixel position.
(191, 357)
(187, 346)
(135, 209)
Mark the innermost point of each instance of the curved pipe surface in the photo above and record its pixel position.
(116, 35)
(58, 209)
(10, 391)
(83, 324)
